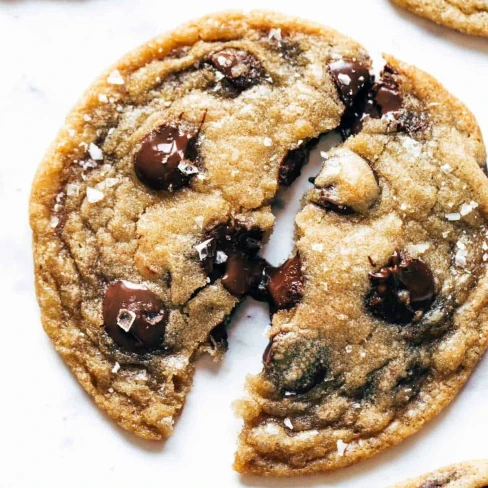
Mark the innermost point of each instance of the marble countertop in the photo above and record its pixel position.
(52, 434)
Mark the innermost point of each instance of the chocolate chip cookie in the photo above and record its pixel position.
(468, 16)
(470, 474)
(151, 207)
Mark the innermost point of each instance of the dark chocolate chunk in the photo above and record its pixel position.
(240, 68)
(402, 291)
(166, 159)
(134, 317)
(295, 363)
(292, 164)
(350, 77)
(285, 283)
(229, 252)
(237, 277)
(375, 100)
(385, 96)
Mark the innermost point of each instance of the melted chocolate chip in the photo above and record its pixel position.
(387, 96)
(229, 252)
(285, 283)
(353, 82)
(292, 164)
(401, 291)
(134, 317)
(294, 363)
(240, 68)
(166, 158)
(378, 99)
(350, 77)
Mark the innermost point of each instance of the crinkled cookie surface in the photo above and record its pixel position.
(470, 474)
(151, 207)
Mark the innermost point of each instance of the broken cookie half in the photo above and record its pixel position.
(150, 210)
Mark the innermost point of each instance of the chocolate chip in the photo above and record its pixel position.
(237, 277)
(385, 96)
(378, 99)
(285, 283)
(292, 164)
(401, 291)
(166, 158)
(294, 363)
(134, 317)
(350, 77)
(240, 68)
(229, 252)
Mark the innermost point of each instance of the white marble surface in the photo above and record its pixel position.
(52, 434)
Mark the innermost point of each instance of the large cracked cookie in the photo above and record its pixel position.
(151, 207)
(470, 474)
(468, 16)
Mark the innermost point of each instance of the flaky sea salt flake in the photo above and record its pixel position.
(341, 447)
(95, 152)
(115, 78)
(267, 142)
(202, 249)
(465, 209)
(93, 195)
(453, 216)
(288, 423)
(54, 222)
(72, 189)
(125, 319)
(199, 220)
(116, 368)
(460, 258)
(344, 79)
(275, 34)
